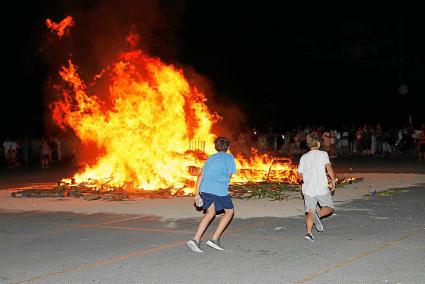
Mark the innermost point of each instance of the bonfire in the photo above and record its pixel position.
(152, 130)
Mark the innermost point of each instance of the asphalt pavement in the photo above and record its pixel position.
(375, 240)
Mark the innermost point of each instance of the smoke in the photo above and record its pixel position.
(233, 121)
(102, 30)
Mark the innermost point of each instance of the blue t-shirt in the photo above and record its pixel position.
(216, 174)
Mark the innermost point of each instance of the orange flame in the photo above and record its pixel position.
(153, 129)
(133, 39)
(261, 167)
(145, 133)
(61, 27)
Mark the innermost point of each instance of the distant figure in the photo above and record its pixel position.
(11, 153)
(366, 141)
(262, 142)
(212, 193)
(58, 149)
(332, 144)
(359, 146)
(12, 158)
(26, 151)
(312, 169)
(301, 140)
(379, 137)
(326, 141)
(243, 144)
(46, 154)
(422, 143)
(345, 142)
(6, 147)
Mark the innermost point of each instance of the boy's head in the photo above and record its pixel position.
(222, 144)
(313, 140)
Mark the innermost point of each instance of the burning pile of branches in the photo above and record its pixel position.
(275, 190)
(91, 191)
(267, 189)
(100, 189)
(140, 119)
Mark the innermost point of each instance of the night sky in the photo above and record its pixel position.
(282, 66)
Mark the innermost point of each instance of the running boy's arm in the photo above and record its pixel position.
(331, 175)
(301, 169)
(301, 176)
(198, 183)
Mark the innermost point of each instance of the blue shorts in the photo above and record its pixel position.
(220, 202)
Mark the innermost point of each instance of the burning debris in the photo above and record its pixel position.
(275, 190)
(94, 190)
(342, 181)
(62, 27)
(269, 190)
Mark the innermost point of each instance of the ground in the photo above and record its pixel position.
(368, 240)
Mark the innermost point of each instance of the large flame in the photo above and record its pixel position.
(60, 27)
(145, 132)
(152, 129)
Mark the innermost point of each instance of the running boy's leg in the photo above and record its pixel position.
(309, 222)
(327, 204)
(325, 211)
(310, 203)
(205, 221)
(225, 220)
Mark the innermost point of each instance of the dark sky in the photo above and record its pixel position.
(283, 66)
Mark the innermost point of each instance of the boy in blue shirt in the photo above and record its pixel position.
(213, 187)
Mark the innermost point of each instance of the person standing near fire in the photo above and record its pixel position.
(315, 187)
(46, 154)
(421, 141)
(212, 194)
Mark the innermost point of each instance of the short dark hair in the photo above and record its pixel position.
(222, 144)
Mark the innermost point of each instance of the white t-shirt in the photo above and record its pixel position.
(313, 168)
(6, 146)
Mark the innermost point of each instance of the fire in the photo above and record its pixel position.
(264, 167)
(133, 39)
(144, 133)
(61, 27)
(152, 128)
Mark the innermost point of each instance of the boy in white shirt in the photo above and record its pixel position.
(312, 169)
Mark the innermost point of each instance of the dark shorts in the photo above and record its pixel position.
(220, 202)
(422, 148)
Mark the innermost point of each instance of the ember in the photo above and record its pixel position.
(61, 27)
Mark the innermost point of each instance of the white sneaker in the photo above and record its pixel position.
(214, 244)
(309, 237)
(317, 223)
(194, 245)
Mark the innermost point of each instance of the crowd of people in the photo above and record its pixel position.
(366, 140)
(43, 152)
